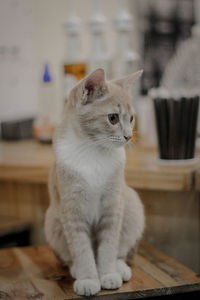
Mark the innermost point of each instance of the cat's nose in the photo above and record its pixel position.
(127, 138)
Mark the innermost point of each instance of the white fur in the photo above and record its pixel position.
(83, 157)
(86, 287)
(111, 281)
(124, 270)
(96, 167)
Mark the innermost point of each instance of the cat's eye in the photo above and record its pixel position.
(113, 118)
(131, 119)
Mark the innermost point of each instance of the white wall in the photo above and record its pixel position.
(17, 65)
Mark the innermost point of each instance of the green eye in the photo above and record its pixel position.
(113, 118)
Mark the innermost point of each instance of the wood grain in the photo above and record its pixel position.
(29, 162)
(26, 201)
(197, 180)
(35, 273)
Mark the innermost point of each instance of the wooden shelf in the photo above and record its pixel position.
(25, 161)
(29, 161)
(35, 273)
(144, 172)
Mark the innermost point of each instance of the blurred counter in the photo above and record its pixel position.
(29, 162)
(25, 161)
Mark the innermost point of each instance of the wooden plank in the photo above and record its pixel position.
(155, 272)
(29, 162)
(144, 172)
(10, 224)
(197, 180)
(35, 273)
(26, 201)
(150, 179)
(23, 174)
(25, 154)
(167, 264)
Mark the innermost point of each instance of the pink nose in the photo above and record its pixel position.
(127, 138)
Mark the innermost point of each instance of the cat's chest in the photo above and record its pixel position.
(96, 170)
(95, 167)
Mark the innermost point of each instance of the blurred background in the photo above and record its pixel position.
(46, 46)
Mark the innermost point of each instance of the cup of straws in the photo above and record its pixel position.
(176, 115)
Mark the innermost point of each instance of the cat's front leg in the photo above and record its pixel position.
(72, 202)
(77, 232)
(83, 262)
(108, 241)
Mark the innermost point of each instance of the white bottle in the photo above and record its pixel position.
(48, 116)
(99, 57)
(126, 59)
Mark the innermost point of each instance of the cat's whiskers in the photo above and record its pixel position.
(130, 145)
(115, 138)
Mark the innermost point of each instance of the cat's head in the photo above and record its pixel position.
(102, 110)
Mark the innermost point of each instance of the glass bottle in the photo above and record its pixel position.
(74, 67)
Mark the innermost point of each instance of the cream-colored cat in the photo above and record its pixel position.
(94, 219)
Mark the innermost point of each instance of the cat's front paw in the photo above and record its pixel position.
(87, 287)
(124, 270)
(111, 281)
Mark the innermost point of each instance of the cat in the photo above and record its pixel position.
(94, 220)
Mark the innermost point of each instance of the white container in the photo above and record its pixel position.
(48, 116)
(99, 57)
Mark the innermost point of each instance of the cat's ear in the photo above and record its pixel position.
(127, 81)
(93, 87)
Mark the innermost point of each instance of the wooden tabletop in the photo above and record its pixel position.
(29, 161)
(35, 273)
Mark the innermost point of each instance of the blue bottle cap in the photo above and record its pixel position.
(47, 76)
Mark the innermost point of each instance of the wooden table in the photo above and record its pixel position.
(29, 161)
(169, 195)
(35, 273)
